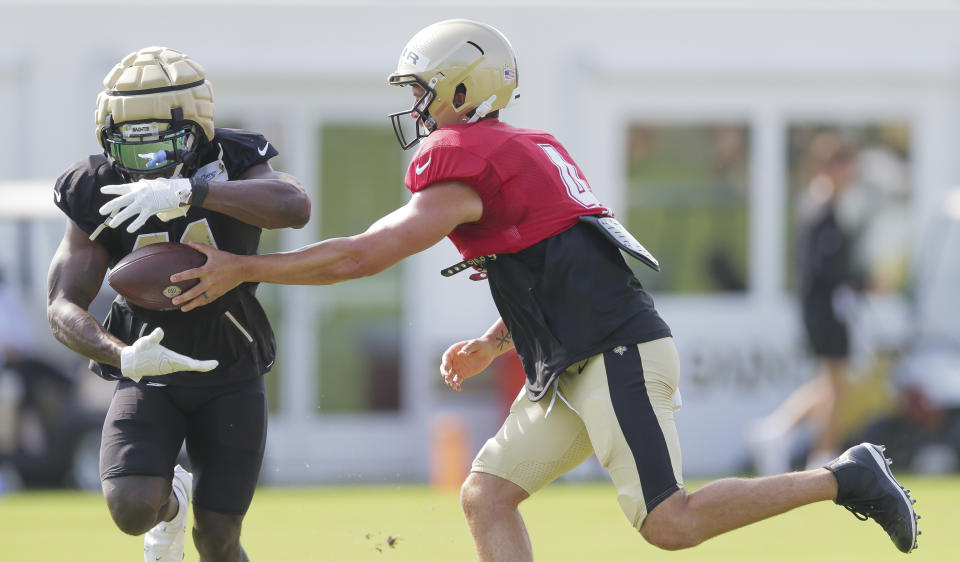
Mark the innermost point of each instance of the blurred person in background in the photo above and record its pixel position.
(827, 281)
(16, 342)
(162, 156)
(601, 367)
(42, 423)
(16, 337)
(923, 429)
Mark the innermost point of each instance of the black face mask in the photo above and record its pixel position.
(415, 123)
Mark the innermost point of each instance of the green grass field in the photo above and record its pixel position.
(566, 522)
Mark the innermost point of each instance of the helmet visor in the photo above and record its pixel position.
(140, 149)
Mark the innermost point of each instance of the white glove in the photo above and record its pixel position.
(146, 198)
(147, 358)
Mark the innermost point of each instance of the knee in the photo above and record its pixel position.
(131, 514)
(668, 537)
(668, 525)
(135, 501)
(471, 495)
(483, 492)
(217, 538)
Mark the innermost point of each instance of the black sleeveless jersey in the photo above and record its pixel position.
(234, 329)
(568, 298)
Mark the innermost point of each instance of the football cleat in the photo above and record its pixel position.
(165, 541)
(867, 488)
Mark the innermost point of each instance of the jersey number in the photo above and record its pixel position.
(577, 187)
(197, 231)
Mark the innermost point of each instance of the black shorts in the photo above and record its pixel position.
(225, 428)
(827, 335)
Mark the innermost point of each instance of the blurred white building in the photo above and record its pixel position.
(356, 386)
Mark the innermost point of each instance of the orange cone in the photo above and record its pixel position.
(449, 451)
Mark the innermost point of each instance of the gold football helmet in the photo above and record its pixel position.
(155, 110)
(448, 58)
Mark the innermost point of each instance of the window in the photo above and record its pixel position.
(872, 194)
(687, 203)
(359, 326)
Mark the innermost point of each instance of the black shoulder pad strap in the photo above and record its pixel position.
(621, 237)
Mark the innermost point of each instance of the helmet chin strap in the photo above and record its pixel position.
(483, 109)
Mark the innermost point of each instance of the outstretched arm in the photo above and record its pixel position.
(465, 359)
(425, 220)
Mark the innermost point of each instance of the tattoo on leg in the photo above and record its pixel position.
(503, 338)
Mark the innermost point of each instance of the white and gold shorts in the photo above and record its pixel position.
(618, 405)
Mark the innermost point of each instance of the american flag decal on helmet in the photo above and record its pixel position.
(509, 74)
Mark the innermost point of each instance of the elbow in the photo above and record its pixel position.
(53, 320)
(301, 212)
(359, 261)
(296, 211)
(52, 313)
(365, 269)
(357, 268)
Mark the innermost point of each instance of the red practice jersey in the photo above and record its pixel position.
(530, 187)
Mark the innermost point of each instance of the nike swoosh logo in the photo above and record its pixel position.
(263, 151)
(582, 366)
(420, 168)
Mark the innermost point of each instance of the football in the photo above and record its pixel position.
(143, 276)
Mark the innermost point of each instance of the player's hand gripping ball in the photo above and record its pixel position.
(143, 276)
